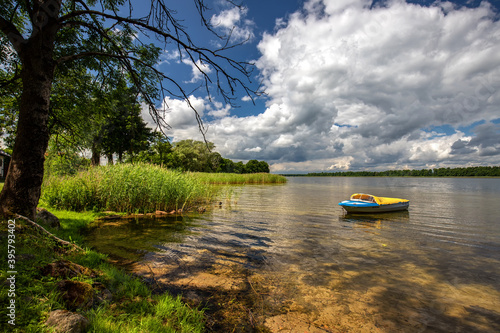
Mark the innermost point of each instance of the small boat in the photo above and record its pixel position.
(367, 203)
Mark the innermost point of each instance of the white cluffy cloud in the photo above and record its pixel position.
(352, 86)
(198, 69)
(233, 24)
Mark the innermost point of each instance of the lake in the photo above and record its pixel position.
(286, 258)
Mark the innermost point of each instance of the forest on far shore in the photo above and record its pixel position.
(478, 171)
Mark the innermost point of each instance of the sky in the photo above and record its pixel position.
(352, 85)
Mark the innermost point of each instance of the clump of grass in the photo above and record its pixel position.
(131, 188)
(161, 313)
(139, 310)
(234, 178)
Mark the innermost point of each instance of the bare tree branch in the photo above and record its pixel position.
(196, 55)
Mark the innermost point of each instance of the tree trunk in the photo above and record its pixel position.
(110, 159)
(95, 160)
(23, 184)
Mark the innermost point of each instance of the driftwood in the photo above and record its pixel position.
(49, 234)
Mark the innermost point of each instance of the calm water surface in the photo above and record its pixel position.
(435, 268)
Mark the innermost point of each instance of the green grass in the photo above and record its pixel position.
(233, 178)
(160, 314)
(133, 307)
(131, 188)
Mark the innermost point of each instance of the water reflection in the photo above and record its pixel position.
(375, 220)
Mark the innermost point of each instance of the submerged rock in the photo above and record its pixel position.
(64, 321)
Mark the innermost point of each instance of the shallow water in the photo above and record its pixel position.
(307, 267)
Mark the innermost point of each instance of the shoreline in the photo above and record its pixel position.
(45, 270)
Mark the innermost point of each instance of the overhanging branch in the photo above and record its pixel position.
(14, 36)
(160, 22)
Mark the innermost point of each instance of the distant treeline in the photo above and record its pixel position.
(480, 171)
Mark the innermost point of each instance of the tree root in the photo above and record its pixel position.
(49, 234)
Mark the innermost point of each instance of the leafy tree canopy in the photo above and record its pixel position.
(191, 155)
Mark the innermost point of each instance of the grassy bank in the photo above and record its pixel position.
(233, 178)
(133, 308)
(131, 188)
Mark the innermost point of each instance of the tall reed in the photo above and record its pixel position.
(234, 178)
(131, 188)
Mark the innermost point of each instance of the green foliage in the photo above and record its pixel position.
(254, 166)
(195, 156)
(125, 188)
(9, 104)
(123, 129)
(158, 152)
(72, 110)
(481, 171)
(62, 158)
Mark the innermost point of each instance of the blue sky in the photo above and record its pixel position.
(353, 85)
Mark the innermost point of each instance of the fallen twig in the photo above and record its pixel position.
(49, 234)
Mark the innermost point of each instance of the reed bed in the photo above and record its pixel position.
(131, 188)
(233, 178)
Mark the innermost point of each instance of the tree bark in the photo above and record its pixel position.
(95, 160)
(110, 159)
(22, 187)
